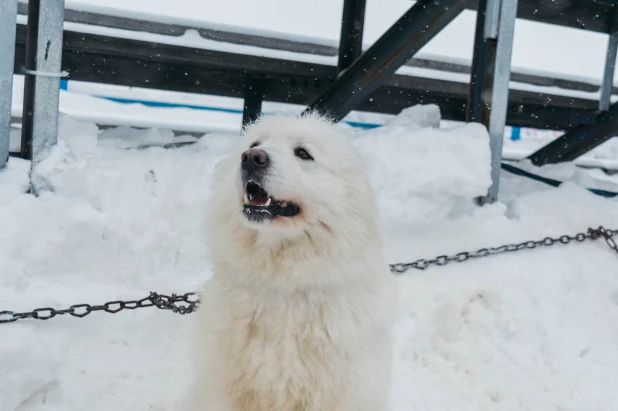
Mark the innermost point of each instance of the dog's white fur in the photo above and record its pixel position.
(299, 313)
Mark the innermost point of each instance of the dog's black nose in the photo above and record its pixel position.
(254, 158)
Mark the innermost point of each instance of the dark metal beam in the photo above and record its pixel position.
(483, 63)
(95, 19)
(253, 92)
(129, 62)
(352, 24)
(30, 81)
(579, 140)
(593, 15)
(406, 37)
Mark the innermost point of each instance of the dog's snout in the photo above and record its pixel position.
(254, 158)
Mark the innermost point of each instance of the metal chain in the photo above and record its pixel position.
(592, 234)
(179, 304)
(187, 303)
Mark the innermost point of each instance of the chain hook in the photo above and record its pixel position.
(609, 239)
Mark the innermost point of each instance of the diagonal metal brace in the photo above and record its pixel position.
(579, 140)
(400, 43)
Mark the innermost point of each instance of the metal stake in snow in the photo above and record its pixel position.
(187, 303)
(491, 73)
(42, 78)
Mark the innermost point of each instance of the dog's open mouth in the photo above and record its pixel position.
(260, 206)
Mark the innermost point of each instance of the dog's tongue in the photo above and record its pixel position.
(259, 198)
(259, 201)
(256, 195)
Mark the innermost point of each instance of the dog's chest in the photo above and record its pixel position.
(284, 344)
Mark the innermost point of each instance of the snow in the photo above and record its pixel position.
(524, 331)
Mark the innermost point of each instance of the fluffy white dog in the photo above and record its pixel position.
(300, 311)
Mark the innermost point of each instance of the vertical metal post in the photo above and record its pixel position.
(253, 91)
(8, 25)
(42, 78)
(483, 61)
(500, 92)
(608, 74)
(352, 24)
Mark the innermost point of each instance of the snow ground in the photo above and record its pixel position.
(535, 330)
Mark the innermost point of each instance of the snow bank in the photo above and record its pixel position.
(526, 331)
(529, 331)
(418, 170)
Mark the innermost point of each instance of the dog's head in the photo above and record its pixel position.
(289, 178)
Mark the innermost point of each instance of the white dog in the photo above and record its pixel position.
(300, 311)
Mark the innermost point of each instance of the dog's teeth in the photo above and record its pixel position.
(250, 196)
(284, 204)
(268, 202)
(246, 199)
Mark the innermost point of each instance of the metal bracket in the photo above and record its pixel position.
(39, 73)
(492, 19)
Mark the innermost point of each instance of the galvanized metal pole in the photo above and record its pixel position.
(8, 23)
(42, 82)
(608, 75)
(500, 92)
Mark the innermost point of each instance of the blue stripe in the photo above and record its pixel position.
(161, 104)
(363, 125)
(64, 85)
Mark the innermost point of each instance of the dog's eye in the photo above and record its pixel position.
(302, 154)
(257, 143)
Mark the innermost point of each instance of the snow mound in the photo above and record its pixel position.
(419, 170)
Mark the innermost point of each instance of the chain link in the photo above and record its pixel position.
(179, 304)
(592, 234)
(187, 303)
